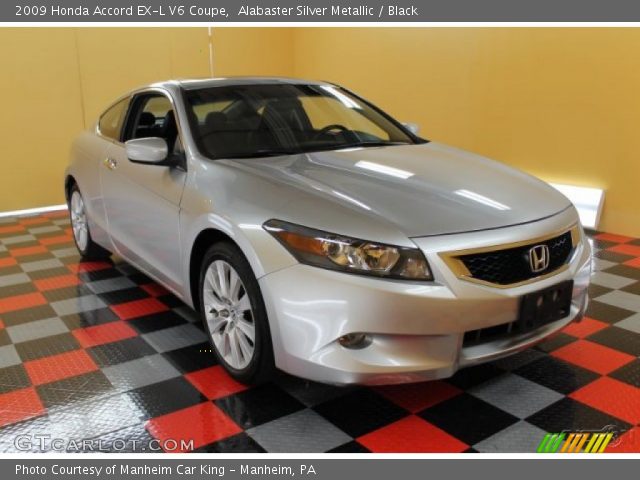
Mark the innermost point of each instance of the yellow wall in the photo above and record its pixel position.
(55, 81)
(559, 103)
(253, 51)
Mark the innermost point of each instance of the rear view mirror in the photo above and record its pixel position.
(150, 151)
(412, 127)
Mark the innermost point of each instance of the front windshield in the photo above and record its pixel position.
(277, 119)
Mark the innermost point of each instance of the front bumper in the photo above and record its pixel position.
(417, 328)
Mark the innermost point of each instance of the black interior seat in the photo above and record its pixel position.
(169, 129)
(146, 126)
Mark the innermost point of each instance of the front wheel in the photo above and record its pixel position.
(234, 315)
(89, 250)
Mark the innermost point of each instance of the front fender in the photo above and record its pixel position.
(263, 252)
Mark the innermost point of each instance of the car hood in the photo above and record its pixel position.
(428, 189)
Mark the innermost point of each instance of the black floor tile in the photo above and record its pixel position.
(46, 347)
(28, 315)
(66, 293)
(13, 378)
(119, 352)
(123, 296)
(612, 256)
(165, 397)
(597, 290)
(556, 374)
(171, 301)
(258, 405)
(607, 313)
(569, 415)
(360, 412)
(81, 388)
(619, 339)
(18, 289)
(240, 443)
(157, 321)
(49, 273)
(191, 359)
(36, 258)
(555, 342)
(4, 337)
(625, 271)
(633, 288)
(101, 274)
(90, 318)
(350, 447)
(468, 418)
(470, 377)
(630, 373)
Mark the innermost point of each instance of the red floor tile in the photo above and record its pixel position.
(613, 397)
(214, 382)
(105, 333)
(52, 283)
(56, 214)
(33, 220)
(19, 405)
(1, 324)
(154, 289)
(203, 423)
(626, 249)
(411, 435)
(56, 240)
(57, 367)
(629, 442)
(24, 251)
(592, 356)
(418, 396)
(20, 302)
(633, 263)
(612, 237)
(88, 266)
(7, 262)
(12, 229)
(139, 308)
(585, 327)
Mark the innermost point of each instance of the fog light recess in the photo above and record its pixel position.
(355, 341)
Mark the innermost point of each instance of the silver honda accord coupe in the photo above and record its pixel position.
(317, 235)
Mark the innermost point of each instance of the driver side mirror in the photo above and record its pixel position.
(412, 127)
(148, 151)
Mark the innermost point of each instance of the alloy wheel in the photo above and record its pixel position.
(229, 316)
(79, 221)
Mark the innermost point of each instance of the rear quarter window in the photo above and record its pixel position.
(110, 123)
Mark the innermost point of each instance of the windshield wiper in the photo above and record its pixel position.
(371, 144)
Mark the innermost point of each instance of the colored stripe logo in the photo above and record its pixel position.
(577, 442)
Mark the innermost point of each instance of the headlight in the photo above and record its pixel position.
(336, 252)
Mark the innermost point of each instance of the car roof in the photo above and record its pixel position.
(195, 83)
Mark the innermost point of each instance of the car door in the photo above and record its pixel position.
(142, 202)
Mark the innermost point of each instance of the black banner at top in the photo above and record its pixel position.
(370, 11)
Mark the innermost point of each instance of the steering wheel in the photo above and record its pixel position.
(329, 128)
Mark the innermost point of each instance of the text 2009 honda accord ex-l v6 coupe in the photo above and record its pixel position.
(316, 234)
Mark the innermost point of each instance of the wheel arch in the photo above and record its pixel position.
(201, 244)
(69, 182)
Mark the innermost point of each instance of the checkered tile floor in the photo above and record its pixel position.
(98, 351)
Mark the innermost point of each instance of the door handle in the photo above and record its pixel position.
(110, 163)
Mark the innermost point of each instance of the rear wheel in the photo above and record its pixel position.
(234, 315)
(89, 250)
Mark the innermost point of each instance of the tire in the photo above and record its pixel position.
(89, 250)
(232, 312)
